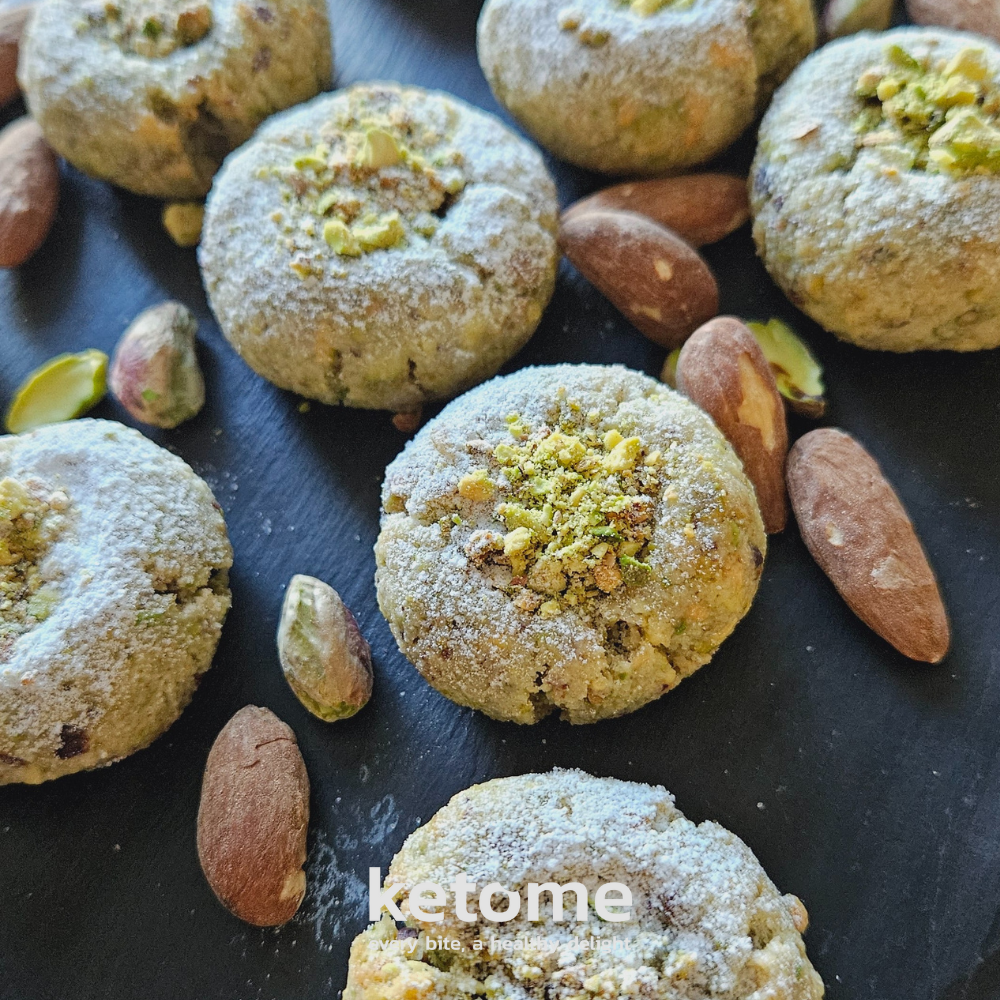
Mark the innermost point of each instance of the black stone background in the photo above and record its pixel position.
(866, 784)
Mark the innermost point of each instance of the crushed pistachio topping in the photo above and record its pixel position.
(935, 114)
(375, 178)
(31, 517)
(574, 513)
(151, 28)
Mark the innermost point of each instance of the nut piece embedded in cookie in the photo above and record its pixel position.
(154, 372)
(657, 281)
(324, 656)
(724, 371)
(858, 531)
(254, 817)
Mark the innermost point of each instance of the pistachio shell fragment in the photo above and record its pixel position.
(325, 658)
(797, 372)
(64, 387)
(155, 373)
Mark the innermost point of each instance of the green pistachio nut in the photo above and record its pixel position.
(797, 372)
(324, 657)
(65, 387)
(154, 372)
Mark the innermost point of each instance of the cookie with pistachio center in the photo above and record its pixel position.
(639, 86)
(152, 94)
(876, 187)
(380, 247)
(574, 539)
(113, 589)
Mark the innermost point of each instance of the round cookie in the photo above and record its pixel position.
(575, 538)
(152, 94)
(380, 247)
(706, 923)
(642, 87)
(876, 189)
(113, 589)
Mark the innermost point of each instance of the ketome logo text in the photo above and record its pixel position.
(612, 901)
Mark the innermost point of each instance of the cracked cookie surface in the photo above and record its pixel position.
(706, 921)
(639, 86)
(380, 247)
(114, 567)
(574, 539)
(152, 94)
(875, 190)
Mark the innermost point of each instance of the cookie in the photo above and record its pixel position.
(574, 539)
(152, 94)
(113, 573)
(380, 247)
(705, 920)
(642, 87)
(876, 187)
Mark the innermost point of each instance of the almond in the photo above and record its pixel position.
(648, 272)
(858, 531)
(724, 371)
(12, 22)
(253, 818)
(700, 208)
(29, 191)
(979, 16)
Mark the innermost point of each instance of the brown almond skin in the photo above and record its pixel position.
(29, 191)
(657, 281)
(12, 22)
(700, 208)
(860, 534)
(979, 16)
(723, 370)
(253, 818)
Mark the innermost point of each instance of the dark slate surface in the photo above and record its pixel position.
(866, 784)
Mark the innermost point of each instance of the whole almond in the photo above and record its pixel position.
(979, 16)
(858, 531)
(29, 191)
(723, 370)
(253, 818)
(648, 272)
(700, 208)
(12, 22)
